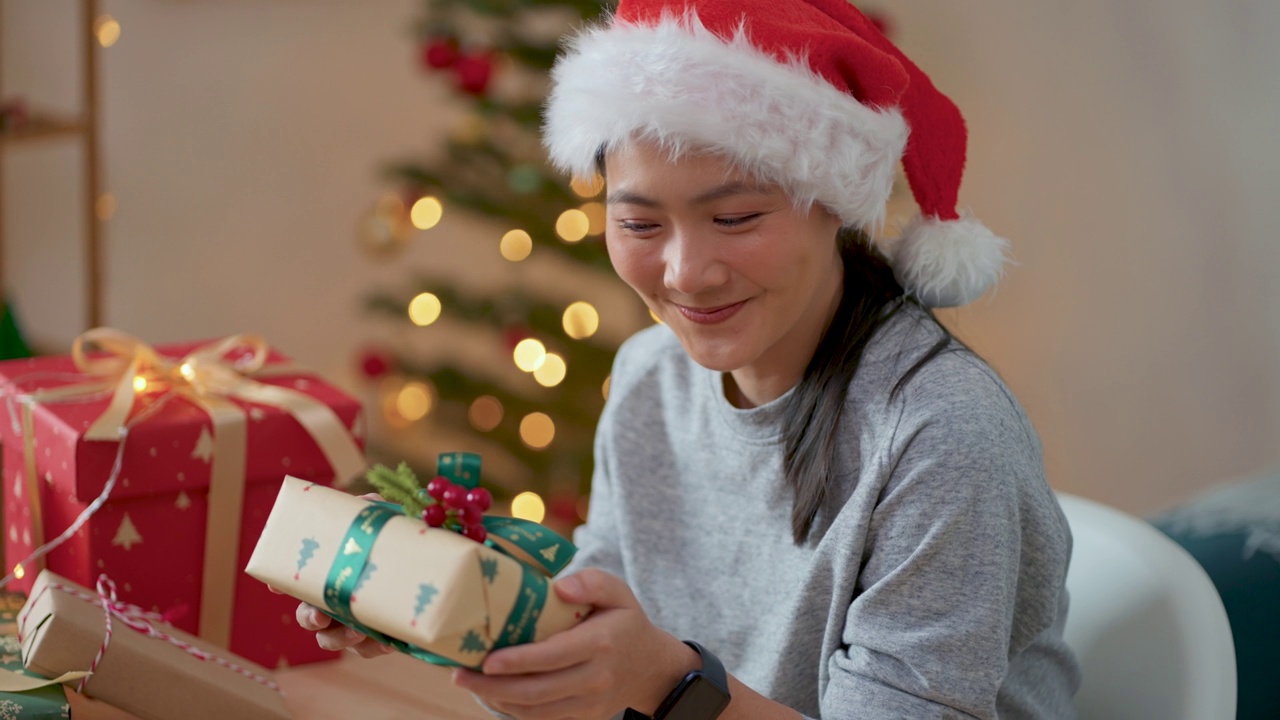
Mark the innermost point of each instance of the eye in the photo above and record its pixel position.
(637, 227)
(737, 220)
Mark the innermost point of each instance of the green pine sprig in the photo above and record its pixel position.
(398, 486)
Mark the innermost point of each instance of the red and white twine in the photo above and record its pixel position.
(144, 622)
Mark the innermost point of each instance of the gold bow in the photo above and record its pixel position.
(206, 378)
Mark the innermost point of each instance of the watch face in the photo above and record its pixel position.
(700, 699)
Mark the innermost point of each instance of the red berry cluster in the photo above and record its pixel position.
(457, 508)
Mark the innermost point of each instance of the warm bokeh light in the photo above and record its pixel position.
(19, 571)
(107, 29)
(413, 402)
(426, 213)
(552, 371)
(572, 225)
(528, 506)
(595, 217)
(529, 354)
(139, 384)
(537, 430)
(105, 208)
(424, 309)
(587, 187)
(485, 413)
(580, 320)
(604, 389)
(516, 245)
(390, 206)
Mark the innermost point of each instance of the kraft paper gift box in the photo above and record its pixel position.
(192, 493)
(39, 704)
(176, 675)
(426, 589)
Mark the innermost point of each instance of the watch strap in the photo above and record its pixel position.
(712, 668)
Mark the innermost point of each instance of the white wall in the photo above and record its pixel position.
(1128, 149)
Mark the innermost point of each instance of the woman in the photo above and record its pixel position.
(800, 470)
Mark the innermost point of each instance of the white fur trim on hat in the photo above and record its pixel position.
(947, 263)
(686, 88)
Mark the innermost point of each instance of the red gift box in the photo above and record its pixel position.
(212, 424)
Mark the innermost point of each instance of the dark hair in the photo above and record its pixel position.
(870, 298)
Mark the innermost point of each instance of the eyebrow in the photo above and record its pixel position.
(716, 193)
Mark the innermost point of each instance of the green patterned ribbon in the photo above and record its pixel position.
(540, 551)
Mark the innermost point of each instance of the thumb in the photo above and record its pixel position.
(596, 588)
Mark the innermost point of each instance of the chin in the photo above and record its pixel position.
(719, 356)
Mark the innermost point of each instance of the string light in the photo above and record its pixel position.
(424, 309)
(552, 371)
(587, 187)
(139, 384)
(537, 430)
(105, 208)
(19, 571)
(604, 389)
(516, 245)
(596, 215)
(413, 402)
(107, 29)
(529, 354)
(580, 320)
(426, 212)
(528, 506)
(572, 225)
(485, 413)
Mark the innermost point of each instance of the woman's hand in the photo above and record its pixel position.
(615, 659)
(332, 635)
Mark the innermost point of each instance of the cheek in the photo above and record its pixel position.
(637, 264)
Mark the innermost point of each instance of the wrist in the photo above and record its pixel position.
(675, 662)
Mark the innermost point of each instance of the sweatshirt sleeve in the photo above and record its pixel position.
(949, 586)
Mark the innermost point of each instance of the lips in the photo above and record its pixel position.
(711, 315)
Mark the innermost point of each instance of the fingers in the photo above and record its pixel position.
(372, 496)
(310, 617)
(565, 649)
(528, 690)
(596, 588)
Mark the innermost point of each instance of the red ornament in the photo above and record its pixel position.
(473, 72)
(564, 508)
(439, 53)
(375, 363)
(513, 335)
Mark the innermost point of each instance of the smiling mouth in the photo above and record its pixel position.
(711, 315)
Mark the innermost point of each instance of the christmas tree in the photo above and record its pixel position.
(496, 54)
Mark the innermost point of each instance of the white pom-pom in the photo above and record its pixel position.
(947, 263)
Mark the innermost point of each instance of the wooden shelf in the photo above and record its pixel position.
(42, 127)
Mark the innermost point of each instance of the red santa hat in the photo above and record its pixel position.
(805, 93)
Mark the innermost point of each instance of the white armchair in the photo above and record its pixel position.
(1145, 621)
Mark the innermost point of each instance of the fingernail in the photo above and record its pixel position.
(571, 585)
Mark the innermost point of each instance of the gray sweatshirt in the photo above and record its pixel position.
(932, 585)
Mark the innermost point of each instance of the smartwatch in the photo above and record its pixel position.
(701, 695)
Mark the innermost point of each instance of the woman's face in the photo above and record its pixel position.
(745, 280)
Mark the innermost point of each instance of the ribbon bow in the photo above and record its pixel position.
(132, 366)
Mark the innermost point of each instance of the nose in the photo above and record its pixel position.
(693, 264)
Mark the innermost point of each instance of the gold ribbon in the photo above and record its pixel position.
(206, 378)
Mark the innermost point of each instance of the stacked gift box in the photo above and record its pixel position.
(211, 430)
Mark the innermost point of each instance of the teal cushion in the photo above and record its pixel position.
(1234, 532)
